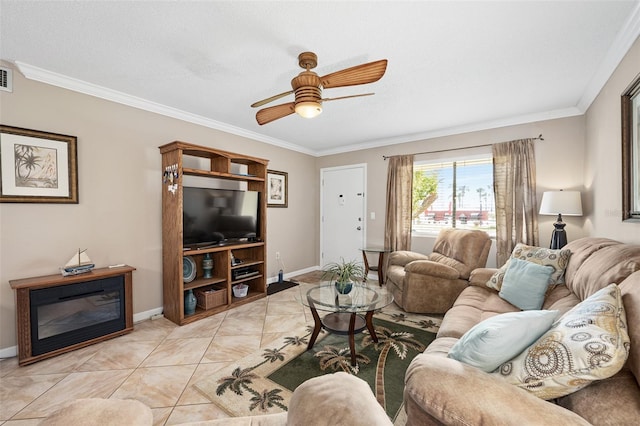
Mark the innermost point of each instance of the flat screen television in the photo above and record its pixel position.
(217, 216)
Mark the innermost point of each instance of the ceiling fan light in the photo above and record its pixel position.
(308, 109)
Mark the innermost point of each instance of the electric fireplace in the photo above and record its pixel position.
(56, 314)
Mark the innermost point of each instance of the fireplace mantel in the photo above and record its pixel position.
(24, 291)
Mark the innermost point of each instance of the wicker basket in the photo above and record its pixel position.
(212, 297)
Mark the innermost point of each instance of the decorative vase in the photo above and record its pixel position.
(189, 303)
(344, 287)
(207, 265)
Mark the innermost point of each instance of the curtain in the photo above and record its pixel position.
(514, 186)
(397, 235)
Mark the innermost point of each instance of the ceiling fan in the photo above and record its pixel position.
(307, 87)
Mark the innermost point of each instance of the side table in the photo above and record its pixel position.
(380, 266)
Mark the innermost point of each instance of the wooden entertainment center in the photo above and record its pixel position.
(226, 166)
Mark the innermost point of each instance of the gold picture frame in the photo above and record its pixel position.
(37, 167)
(277, 189)
(630, 108)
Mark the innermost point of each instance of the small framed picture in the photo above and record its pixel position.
(37, 167)
(277, 189)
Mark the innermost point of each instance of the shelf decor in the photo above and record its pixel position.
(190, 302)
(277, 189)
(188, 269)
(207, 266)
(37, 167)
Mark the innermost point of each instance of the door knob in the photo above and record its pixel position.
(359, 228)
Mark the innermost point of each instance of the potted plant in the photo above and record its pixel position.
(344, 273)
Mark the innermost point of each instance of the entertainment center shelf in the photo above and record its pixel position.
(241, 261)
(203, 173)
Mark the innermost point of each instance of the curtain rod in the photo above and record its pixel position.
(385, 157)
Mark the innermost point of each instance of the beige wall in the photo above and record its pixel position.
(119, 215)
(603, 167)
(559, 165)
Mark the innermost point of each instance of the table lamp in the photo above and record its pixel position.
(566, 203)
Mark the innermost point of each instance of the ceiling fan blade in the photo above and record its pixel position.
(267, 115)
(271, 99)
(346, 97)
(360, 74)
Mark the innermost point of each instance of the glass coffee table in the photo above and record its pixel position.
(349, 314)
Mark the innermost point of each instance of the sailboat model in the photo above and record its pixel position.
(78, 264)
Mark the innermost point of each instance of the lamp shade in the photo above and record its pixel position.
(567, 203)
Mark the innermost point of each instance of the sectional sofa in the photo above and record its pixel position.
(443, 390)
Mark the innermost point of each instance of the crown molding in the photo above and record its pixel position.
(49, 77)
(476, 127)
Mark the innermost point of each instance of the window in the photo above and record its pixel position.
(454, 193)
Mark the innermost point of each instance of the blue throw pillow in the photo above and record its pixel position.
(525, 284)
(496, 340)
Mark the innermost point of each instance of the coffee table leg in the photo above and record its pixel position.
(369, 320)
(352, 339)
(316, 328)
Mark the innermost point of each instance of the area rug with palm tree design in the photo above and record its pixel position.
(264, 381)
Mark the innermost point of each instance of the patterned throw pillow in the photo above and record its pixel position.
(588, 343)
(557, 259)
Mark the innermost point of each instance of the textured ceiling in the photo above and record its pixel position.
(453, 66)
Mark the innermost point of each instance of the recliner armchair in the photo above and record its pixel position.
(431, 283)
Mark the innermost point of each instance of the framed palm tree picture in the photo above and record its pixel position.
(37, 167)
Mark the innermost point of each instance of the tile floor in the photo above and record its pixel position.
(156, 364)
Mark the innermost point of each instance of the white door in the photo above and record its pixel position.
(343, 207)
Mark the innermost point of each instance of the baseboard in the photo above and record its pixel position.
(9, 352)
(293, 274)
(143, 316)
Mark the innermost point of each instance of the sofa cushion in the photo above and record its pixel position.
(557, 259)
(402, 257)
(560, 299)
(615, 401)
(442, 391)
(581, 249)
(469, 249)
(588, 343)
(473, 305)
(459, 268)
(525, 284)
(498, 339)
(335, 399)
(630, 289)
(603, 263)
